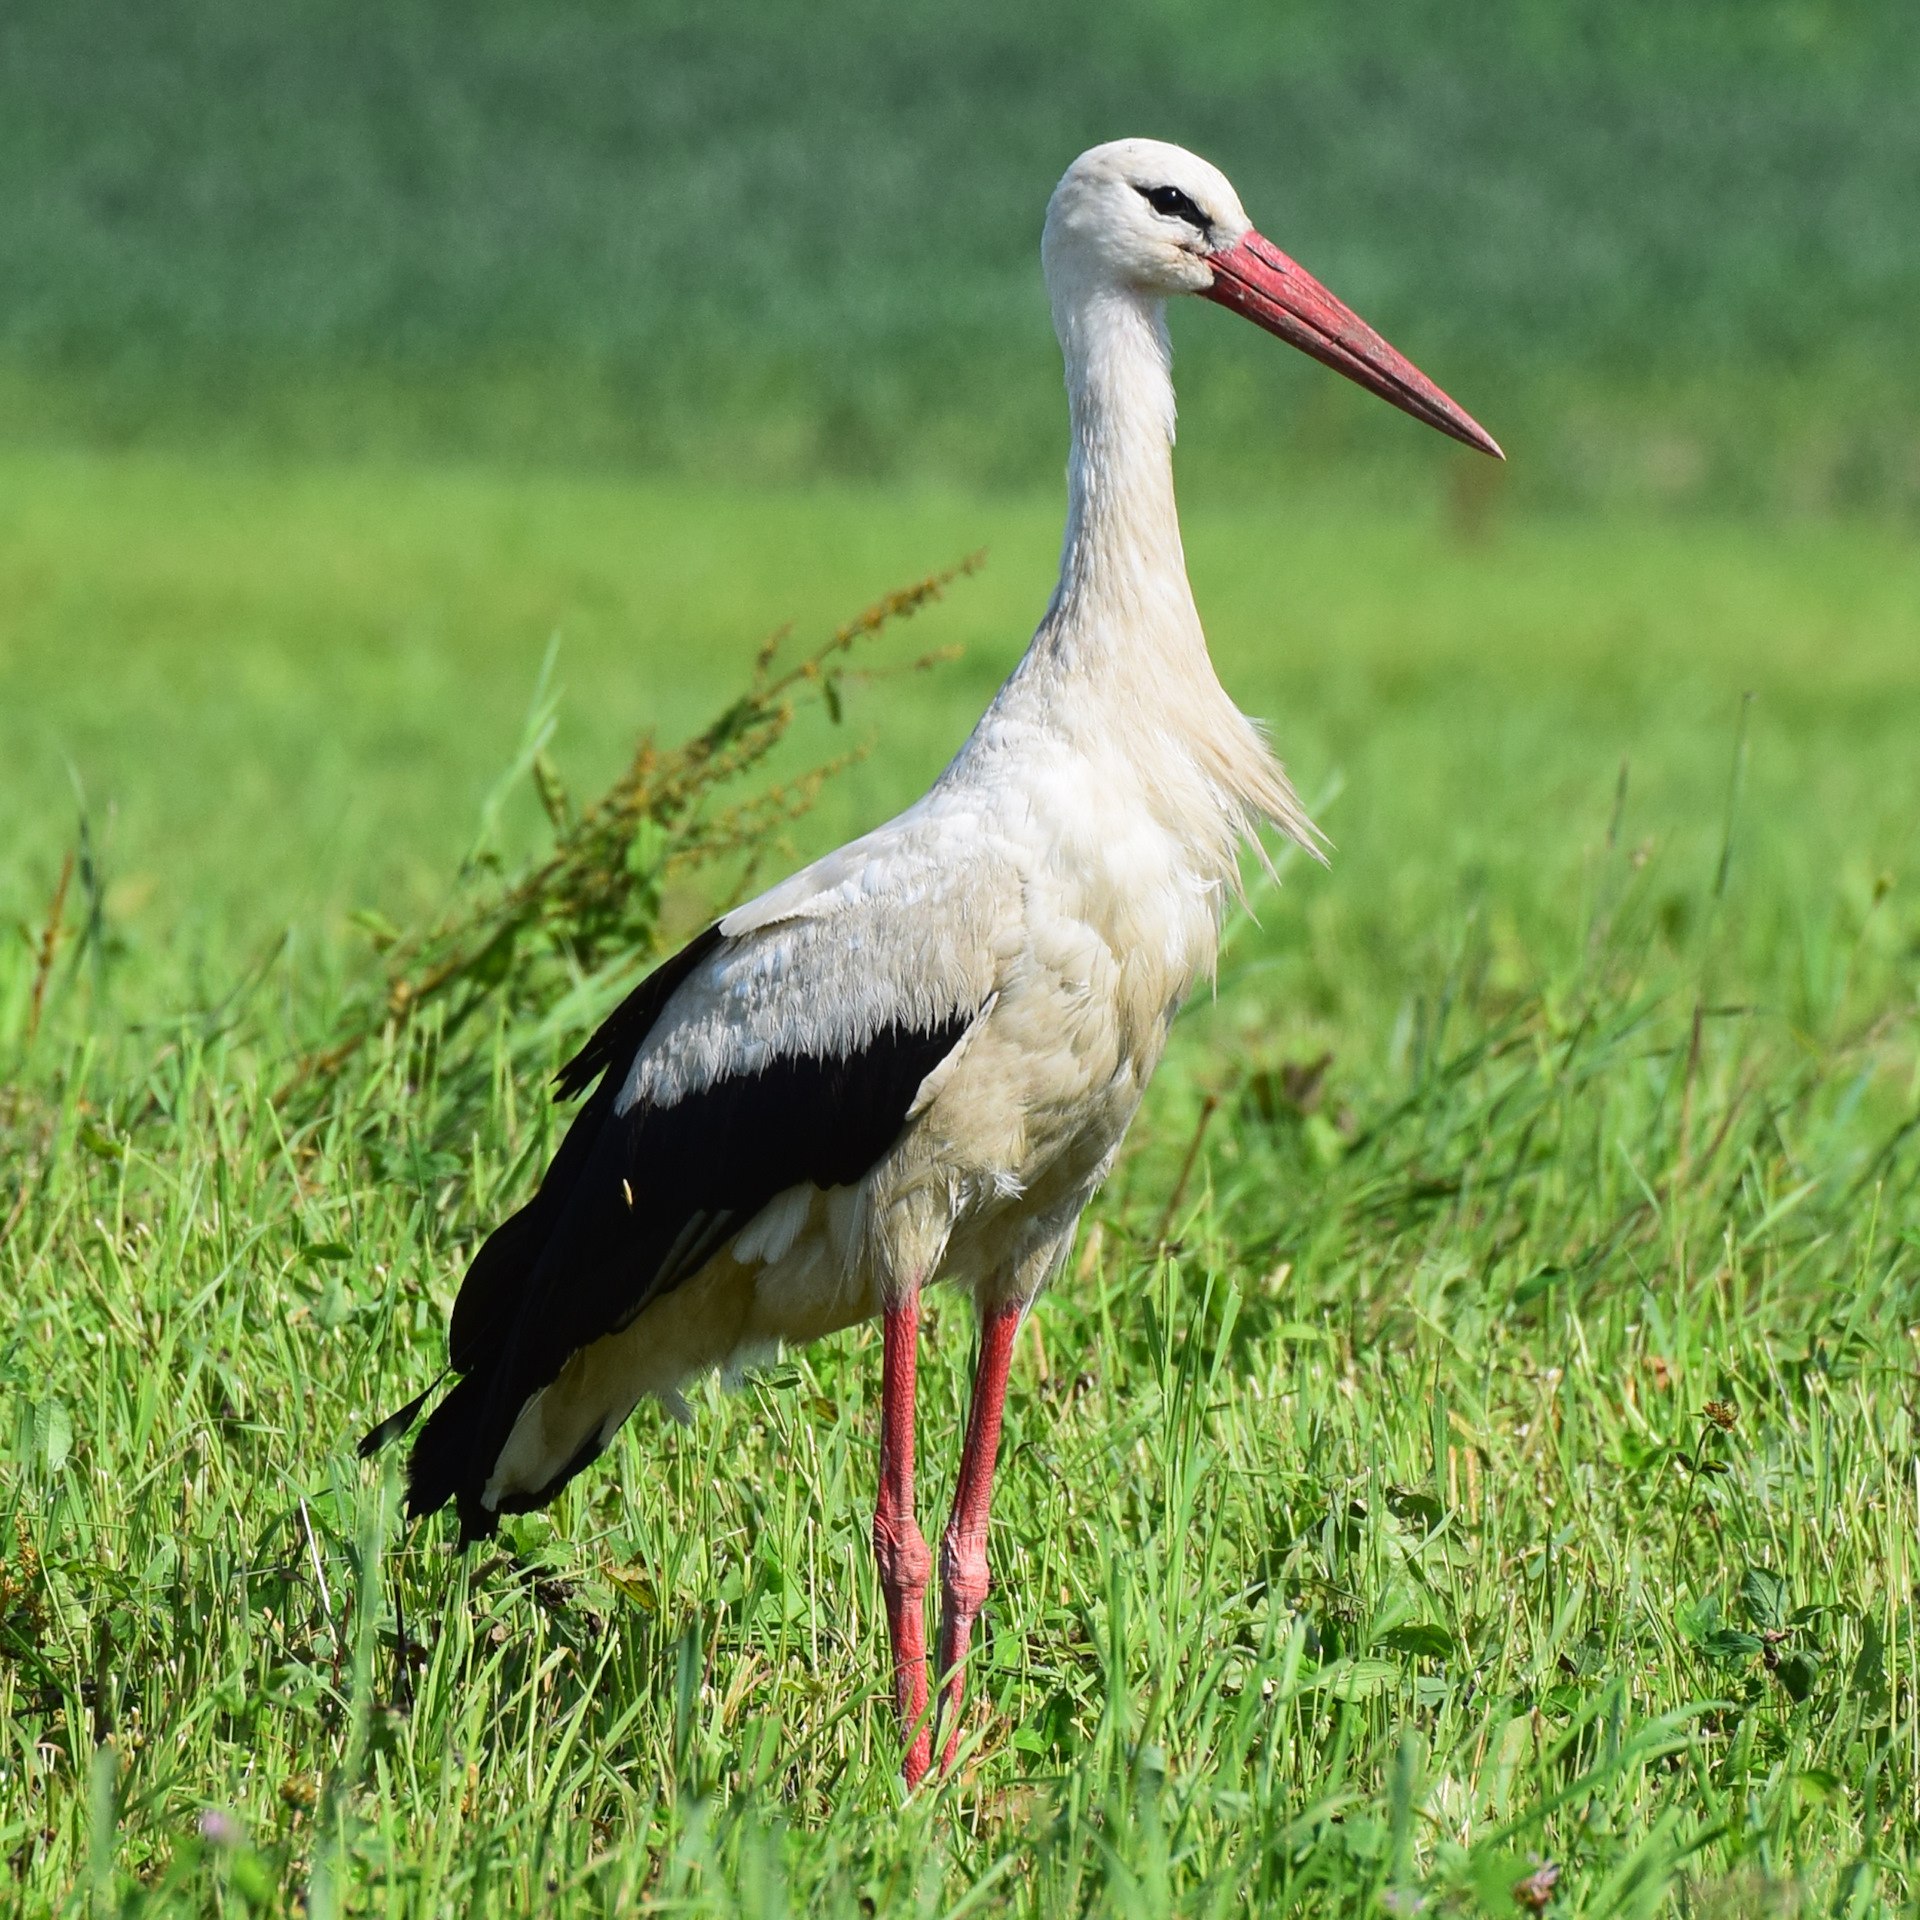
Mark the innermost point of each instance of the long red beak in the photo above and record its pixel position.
(1255, 278)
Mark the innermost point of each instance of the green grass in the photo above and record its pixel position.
(1509, 1454)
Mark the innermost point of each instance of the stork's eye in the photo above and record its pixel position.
(1175, 204)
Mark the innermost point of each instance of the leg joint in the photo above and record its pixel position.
(963, 1569)
(900, 1552)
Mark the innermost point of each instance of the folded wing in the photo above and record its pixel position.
(750, 1063)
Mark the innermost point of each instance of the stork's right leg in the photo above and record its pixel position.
(899, 1548)
(963, 1553)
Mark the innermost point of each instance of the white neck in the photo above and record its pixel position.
(1123, 575)
(1120, 660)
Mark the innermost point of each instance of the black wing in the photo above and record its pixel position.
(635, 1203)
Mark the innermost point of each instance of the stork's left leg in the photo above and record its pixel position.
(963, 1553)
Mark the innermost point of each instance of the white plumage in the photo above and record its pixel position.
(975, 994)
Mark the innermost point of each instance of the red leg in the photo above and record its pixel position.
(899, 1549)
(963, 1553)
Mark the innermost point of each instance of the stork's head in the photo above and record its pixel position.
(1144, 218)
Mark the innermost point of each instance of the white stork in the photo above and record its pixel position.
(915, 1059)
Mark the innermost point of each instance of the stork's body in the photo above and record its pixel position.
(915, 1060)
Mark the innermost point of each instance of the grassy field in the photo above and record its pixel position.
(1477, 1428)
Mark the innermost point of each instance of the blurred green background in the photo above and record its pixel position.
(350, 353)
(1666, 251)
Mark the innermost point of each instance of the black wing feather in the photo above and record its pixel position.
(634, 1204)
(618, 1036)
(488, 1296)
